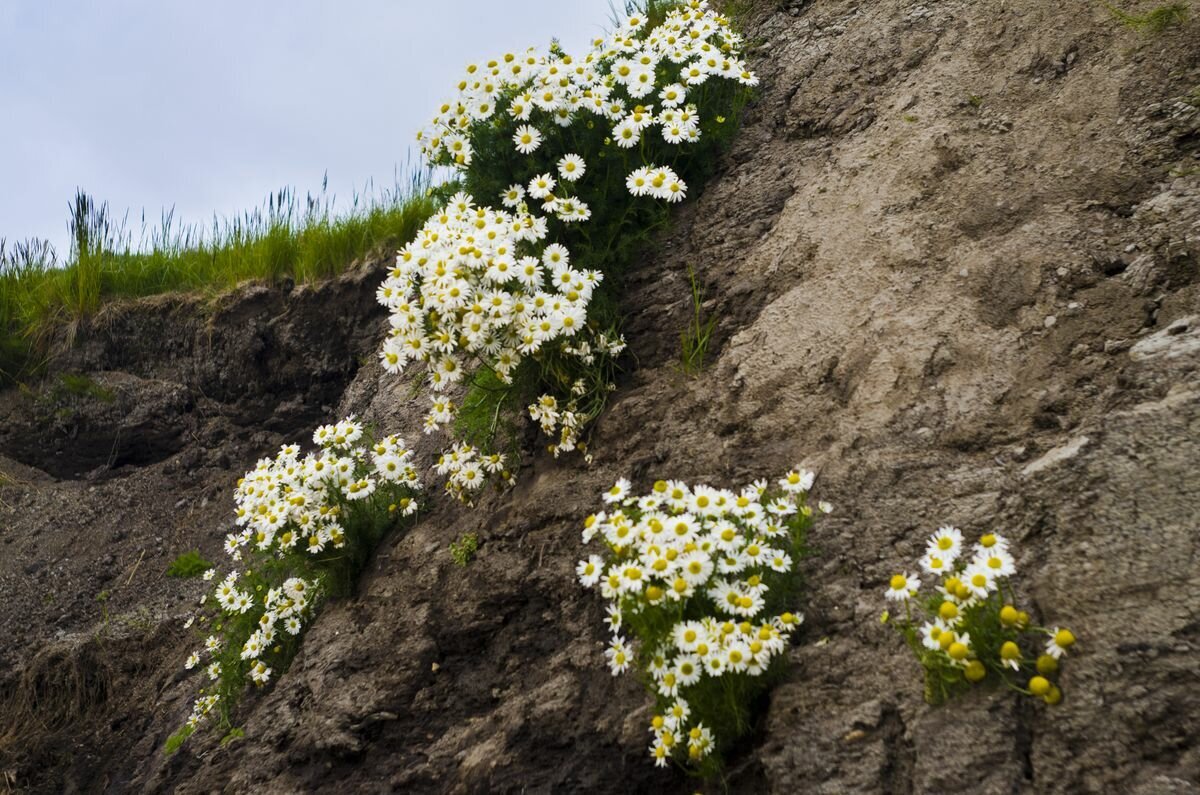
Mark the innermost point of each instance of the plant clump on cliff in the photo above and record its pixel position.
(702, 579)
(967, 629)
(306, 526)
(585, 154)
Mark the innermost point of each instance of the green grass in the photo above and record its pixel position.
(81, 386)
(287, 238)
(1156, 20)
(695, 338)
(189, 564)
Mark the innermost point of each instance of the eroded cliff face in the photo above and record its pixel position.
(955, 256)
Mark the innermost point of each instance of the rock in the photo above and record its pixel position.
(1056, 456)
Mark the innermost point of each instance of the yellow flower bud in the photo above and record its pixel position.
(957, 651)
(975, 672)
(1046, 664)
(1039, 686)
(1053, 697)
(1008, 615)
(1064, 638)
(948, 611)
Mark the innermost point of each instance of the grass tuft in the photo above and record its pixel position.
(1155, 20)
(695, 338)
(189, 564)
(81, 386)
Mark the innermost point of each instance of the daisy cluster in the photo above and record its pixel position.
(485, 288)
(478, 287)
(466, 469)
(968, 626)
(637, 82)
(696, 575)
(299, 518)
(290, 503)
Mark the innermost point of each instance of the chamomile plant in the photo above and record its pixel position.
(306, 524)
(567, 163)
(701, 586)
(966, 628)
(480, 289)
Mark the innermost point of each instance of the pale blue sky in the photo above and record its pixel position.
(210, 105)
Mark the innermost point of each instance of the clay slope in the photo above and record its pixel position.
(955, 255)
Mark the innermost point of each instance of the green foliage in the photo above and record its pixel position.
(485, 419)
(189, 564)
(464, 549)
(83, 387)
(287, 238)
(695, 338)
(102, 600)
(1156, 20)
(233, 736)
(176, 740)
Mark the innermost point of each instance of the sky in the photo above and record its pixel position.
(208, 106)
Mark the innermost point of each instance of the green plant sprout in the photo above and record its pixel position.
(464, 549)
(695, 338)
(189, 564)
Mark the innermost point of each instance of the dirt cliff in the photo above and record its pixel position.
(955, 257)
